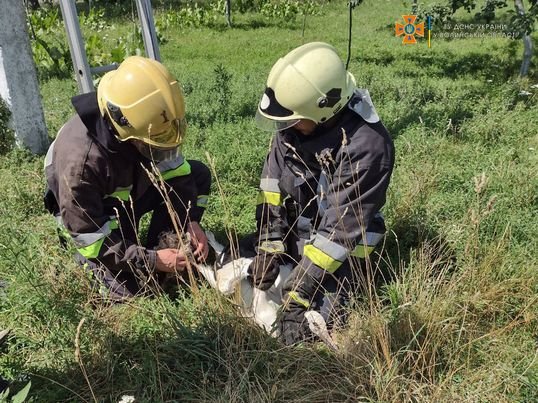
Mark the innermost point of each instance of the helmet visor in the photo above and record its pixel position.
(157, 154)
(271, 125)
(172, 137)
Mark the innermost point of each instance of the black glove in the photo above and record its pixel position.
(264, 270)
(298, 292)
(293, 326)
(303, 282)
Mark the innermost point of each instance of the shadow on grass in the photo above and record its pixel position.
(448, 64)
(219, 358)
(196, 348)
(406, 235)
(256, 23)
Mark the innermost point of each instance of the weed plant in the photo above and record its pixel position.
(6, 133)
(449, 303)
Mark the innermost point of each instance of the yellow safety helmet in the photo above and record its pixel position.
(143, 102)
(310, 82)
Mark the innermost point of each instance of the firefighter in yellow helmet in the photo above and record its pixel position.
(99, 186)
(322, 186)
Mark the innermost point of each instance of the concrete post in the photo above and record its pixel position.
(18, 79)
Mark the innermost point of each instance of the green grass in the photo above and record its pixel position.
(455, 320)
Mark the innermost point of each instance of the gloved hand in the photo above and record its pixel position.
(303, 282)
(264, 270)
(298, 293)
(293, 325)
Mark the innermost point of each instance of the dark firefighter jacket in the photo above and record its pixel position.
(92, 181)
(324, 191)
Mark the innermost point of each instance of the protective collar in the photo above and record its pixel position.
(87, 108)
(362, 104)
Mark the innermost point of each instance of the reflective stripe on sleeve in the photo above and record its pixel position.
(325, 253)
(269, 185)
(272, 198)
(321, 259)
(168, 165)
(202, 200)
(269, 192)
(272, 247)
(89, 245)
(122, 193)
(91, 251)
(182, 170)
(367, 245)
(174, 168)
(295, 296)
(362, 251)
(372, 238)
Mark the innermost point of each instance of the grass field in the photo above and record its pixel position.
(456, 319)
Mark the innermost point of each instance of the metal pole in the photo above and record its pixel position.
(76, 46)
(104, 69)
(149, 35)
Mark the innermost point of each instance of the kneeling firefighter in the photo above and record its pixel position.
(99, 186)
(322, 186)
